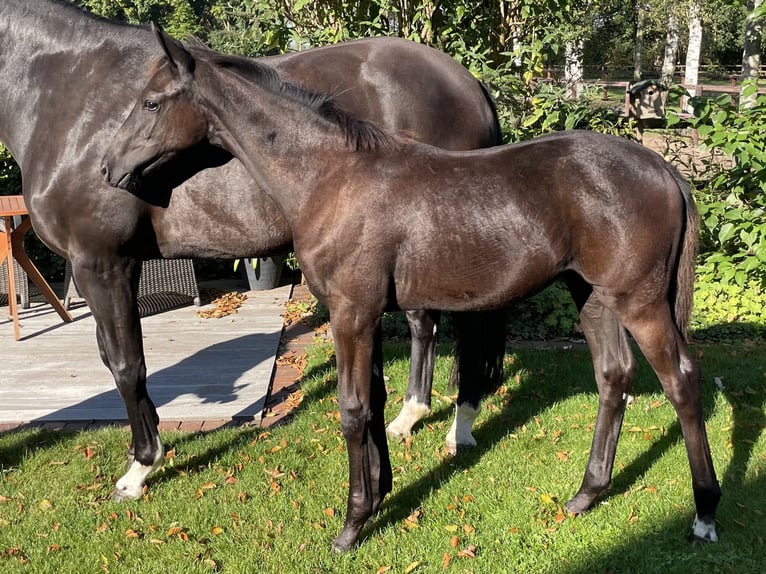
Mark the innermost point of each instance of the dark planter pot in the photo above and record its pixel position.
(266, 275)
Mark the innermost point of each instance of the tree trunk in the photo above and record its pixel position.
(671, 53)
(573, 67)
(751, 54)
(691, 69)
(638, 47)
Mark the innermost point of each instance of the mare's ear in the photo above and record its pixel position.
(178, 58)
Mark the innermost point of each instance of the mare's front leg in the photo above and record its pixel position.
(361, 398)
(110, 289)
(417, 400)
(615, 367)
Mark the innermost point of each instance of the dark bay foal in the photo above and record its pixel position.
(381, 222)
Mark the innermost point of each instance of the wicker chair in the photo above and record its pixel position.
(165, 284)
(22, 284)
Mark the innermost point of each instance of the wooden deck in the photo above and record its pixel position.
(198, 369)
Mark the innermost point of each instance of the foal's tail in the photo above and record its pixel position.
(682, 289)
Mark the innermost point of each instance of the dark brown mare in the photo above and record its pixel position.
(67, 78)
(380, 222)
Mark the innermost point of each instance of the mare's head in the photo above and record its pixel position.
(166, 119)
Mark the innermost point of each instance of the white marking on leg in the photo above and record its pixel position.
(704, 530)
(459, 434)
(412, 412)
(131, 485)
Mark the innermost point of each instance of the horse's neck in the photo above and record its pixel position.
(48, 52)
(285, 146)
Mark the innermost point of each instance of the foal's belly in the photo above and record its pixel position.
(475, 284)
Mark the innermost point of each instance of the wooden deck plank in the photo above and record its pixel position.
(198, 369)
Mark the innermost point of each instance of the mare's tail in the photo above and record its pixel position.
(479, 353)
(497, 134)
(682, 288)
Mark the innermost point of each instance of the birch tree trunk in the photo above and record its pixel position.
(671, 53)
(691, 69)
(638, 47)
(573, 67)
(751, 54)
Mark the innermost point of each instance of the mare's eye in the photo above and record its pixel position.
(151, 106)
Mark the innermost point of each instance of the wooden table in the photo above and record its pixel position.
(12, 247)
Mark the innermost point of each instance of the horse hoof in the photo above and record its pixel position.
(579, 504)
(703, 531)
(343, 543)
(121, 494)
(454, 447)
(412, 412)
(396, 432)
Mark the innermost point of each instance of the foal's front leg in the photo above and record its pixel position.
(361, 397)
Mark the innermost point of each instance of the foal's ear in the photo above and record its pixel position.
(178, 58)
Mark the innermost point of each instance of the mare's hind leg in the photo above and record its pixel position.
(478, 369)
(111, 297)
(614, 366)
(659, 340)
(417, 400)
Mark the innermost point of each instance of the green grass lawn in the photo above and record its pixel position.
(248, 500)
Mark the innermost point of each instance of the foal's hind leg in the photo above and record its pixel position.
(417, 400)
(111, 297)
(664, 348)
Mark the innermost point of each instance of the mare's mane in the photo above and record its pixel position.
(360, 135)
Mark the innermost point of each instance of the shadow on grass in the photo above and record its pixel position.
(320, 370)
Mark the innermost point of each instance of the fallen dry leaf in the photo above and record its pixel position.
(224, 305)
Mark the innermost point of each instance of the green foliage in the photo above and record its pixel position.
(727, 311)
(10, 174)
(548, 109)
(550, 314)
(179, 17)
(732, 201)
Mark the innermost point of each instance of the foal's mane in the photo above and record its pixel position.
(360, 135)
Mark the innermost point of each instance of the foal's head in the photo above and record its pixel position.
(166, 119)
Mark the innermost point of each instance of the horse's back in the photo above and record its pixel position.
(401, 85)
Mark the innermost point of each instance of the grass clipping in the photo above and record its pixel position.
(223, 306)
